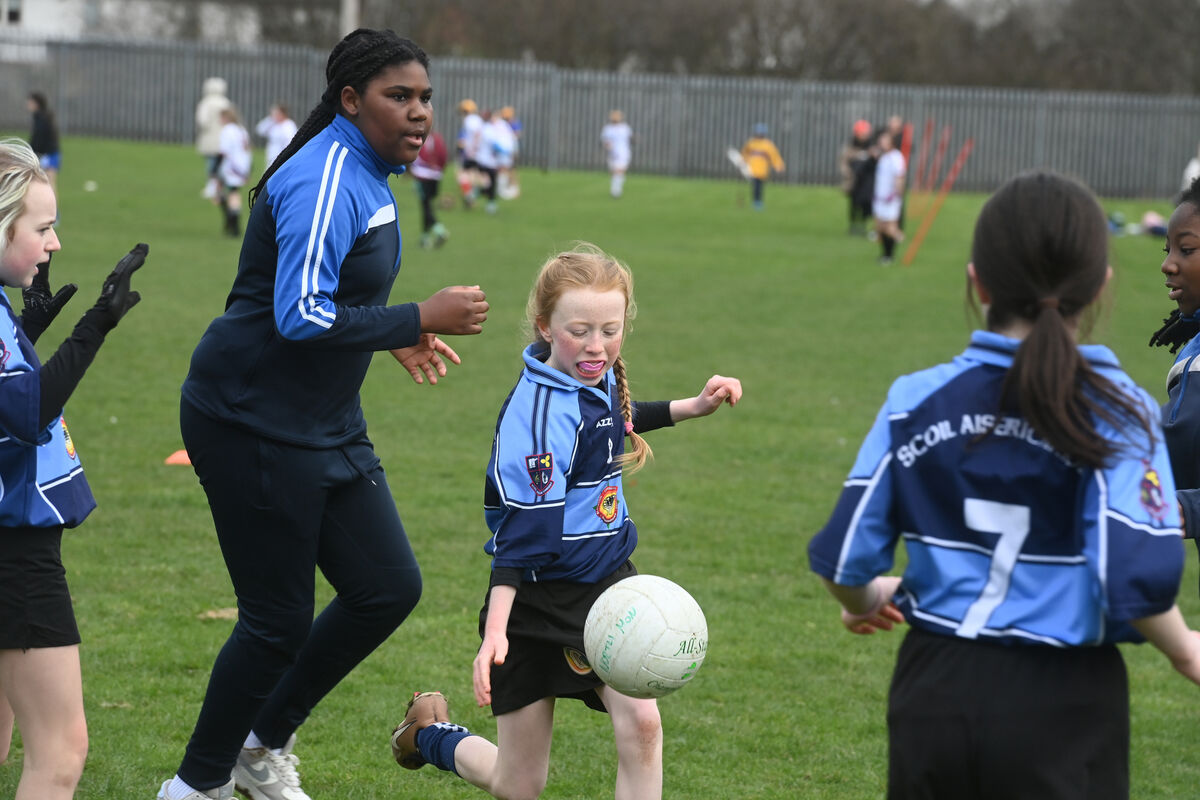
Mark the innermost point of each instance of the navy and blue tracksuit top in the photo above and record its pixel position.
(308, 306)
(1006, 540)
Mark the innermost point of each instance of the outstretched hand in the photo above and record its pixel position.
(717, 391)
(42, 304)
(455, 310)
(116, 298)
(424, 359)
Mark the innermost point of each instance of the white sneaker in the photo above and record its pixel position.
(264, 775)
(221, 793)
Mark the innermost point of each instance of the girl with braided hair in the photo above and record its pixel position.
(273, 426)
(1181, 412)
(560, 536)
(1029, 484)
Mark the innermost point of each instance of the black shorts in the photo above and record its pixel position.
(988, 721)
(545, 644)
(35, 604)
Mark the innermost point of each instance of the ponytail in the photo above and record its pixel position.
(1041, 251)
(1054, 388)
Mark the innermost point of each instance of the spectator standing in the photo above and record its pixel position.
(43, 137)
(762, 158)
(208, 128)
(857, 167)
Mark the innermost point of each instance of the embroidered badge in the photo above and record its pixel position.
(541, 472)
(577, 661)
(4, 354)
(606, 509)
(1151, 494)
(67, 438)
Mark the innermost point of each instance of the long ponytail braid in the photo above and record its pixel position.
(635, 457)
(354, 61)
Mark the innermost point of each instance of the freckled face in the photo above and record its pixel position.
(32, 237)
(394, 111)
(1181, 266)
(585, 332)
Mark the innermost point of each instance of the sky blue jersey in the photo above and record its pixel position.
(308, 307)
(552, 497)
(42, 483)
(1005, 540)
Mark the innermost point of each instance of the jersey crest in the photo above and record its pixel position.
(1150, 493)
(541, 470)
(67, 441)
(4, 354)
(606, 509)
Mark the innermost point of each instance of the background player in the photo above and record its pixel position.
(561, 535)
(1009, 683)
(617, 138)
(889, 196)
(271, 418)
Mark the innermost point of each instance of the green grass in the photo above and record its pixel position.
(786, 705)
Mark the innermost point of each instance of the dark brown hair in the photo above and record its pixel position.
(1041, 252)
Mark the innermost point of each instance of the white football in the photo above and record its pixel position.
(645, 636)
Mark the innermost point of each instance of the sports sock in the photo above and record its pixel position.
(437, 743)
(178, 788)
(252, 741)
(889, 246)
(618, 183)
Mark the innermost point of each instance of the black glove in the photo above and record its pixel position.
(42, 305)
(116, 298)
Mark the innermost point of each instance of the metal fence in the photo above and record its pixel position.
(1120, 144)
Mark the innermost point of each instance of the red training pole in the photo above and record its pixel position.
(926, 223)
(936, 168)
(923, 155)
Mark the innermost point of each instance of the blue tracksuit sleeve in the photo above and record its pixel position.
(317, 229)
(859, 541)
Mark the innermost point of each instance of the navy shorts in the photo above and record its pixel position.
(545, 644)
(35, 604)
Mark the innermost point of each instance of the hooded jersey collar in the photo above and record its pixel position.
(538, 371)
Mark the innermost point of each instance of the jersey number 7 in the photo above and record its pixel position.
(1011, 522)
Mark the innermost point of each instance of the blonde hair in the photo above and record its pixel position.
(588, 267)
(19, 168)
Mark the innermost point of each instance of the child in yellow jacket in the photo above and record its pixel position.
(762, 156)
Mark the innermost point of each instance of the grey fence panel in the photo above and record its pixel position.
(1122, 145)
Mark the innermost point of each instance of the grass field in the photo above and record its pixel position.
(787, 704)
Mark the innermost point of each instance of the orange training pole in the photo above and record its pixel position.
(927, 222)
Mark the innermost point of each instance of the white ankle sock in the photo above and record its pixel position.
(253, 741)
(178, 789)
